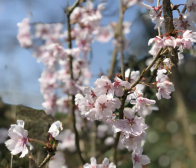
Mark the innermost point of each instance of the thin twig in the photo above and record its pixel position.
(159, 29)
(184, 9)
(118, 134)
(47, 159)
(11, 162)
(120, 31)
(113, 63)
(36, 141)
(121, 40)
(69, 11)
(146, 70)
(77, 3)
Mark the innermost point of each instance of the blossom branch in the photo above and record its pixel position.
(69, 11)
(147, 69)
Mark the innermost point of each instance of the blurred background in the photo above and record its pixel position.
(170, 141)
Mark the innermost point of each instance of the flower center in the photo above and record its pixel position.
(102, 106)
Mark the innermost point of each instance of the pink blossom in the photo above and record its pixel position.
(24, 34)
(118, 86)
(106, 164)
(189, 35)
(19, 141)
(69, 86)
(50, 104)
(103, 86)
(141, 103)
(48, 81)
(104, 34)
(135, 94)
(133, 76)
(169, 41)
(42, 30)
(185, 23)
(104, 107)
(55, 129)
(132, 124)
(191, 8)
(92, 165)
(63, 104)
(154, 13)
(139, 159)
(58, 161)
(67, 140)
(131, 141)
(158, 40)
(164, 90)
(161, 76)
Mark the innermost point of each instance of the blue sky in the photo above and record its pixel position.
(19, 71)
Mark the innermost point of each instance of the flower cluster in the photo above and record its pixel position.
(105, 164)
(119, 103)
(19, 137)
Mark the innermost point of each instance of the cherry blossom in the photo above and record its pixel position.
(142, 103)
(139, 159)
(24, 35)
(104, 107)
(106, 164)
(67, 140)
(184, 23)
(191, 8)
(133, 76)
(55, 129)
(92, 165)
(103, 86)
(118, 86)
(132, 124)
(58, 161)
(19, 141)
(130, 141)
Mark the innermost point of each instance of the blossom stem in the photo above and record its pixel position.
(146, 70)
(69, 11)
(121, 17)
(46, 159)
(36, 141)
(159, 29)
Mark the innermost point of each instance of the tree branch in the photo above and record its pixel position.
(146, 70)
(120, 31)
(77, 3)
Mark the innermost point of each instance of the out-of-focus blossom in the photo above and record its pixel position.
(55, 129)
